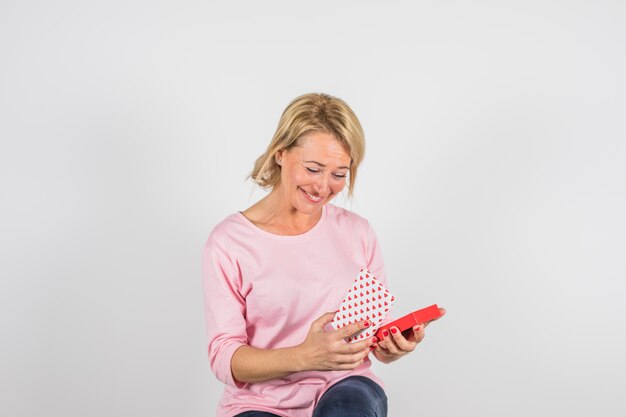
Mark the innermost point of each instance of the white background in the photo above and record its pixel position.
(494, 177)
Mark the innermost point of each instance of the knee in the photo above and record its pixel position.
(355, 396)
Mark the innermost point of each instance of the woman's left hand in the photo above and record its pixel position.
(394, 345)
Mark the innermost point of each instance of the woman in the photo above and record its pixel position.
(274, 273)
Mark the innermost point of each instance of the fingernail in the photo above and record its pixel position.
(393, 330)
(385, 333)
(374, 340)
(366, 324)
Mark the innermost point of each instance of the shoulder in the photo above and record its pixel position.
(226, 231)
(345, 218)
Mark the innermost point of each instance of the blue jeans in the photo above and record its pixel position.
(355, 396)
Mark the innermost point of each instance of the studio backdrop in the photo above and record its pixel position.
(494, 177)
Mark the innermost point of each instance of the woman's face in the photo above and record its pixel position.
(314, 172)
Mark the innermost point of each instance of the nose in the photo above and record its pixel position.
(321, 185)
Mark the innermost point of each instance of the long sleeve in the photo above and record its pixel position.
(225, 309)
(264, 290)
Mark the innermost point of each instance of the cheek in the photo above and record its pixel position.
(338, 186)
(293, 177)
(299, 179)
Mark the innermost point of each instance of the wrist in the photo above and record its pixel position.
(298, 359)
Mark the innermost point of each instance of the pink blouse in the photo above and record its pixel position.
(265, 290)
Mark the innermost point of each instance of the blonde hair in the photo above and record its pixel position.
(307, 113)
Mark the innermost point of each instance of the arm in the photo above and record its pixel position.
(250, 364)
(395, 345)
(236, 363)
(320, 351)
(224, 310)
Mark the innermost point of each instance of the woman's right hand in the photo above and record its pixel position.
(328, 351)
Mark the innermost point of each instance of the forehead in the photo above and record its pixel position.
(324, 148)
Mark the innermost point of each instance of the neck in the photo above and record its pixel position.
(281, 212)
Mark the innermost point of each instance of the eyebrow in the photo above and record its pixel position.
(324, 166)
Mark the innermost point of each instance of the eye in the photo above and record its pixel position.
(340, 177)
(313, 170)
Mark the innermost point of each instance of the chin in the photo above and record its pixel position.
(306, 208)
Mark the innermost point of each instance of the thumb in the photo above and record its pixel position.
(323, 320)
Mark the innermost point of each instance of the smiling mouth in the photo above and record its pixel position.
(311, 197)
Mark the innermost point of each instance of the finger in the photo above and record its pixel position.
(378, 347)
(353, 328)
(353, 358)
(403, 344)
(385, 335)
(378, 350)
(389, 343)
(418, 331)
(323, 320)
(350, 348)
(350, 365)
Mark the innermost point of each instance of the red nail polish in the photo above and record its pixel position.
(393, 330)
(366, 324)
(385, 333)
(374, 340)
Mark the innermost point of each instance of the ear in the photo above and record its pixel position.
(278, 156)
